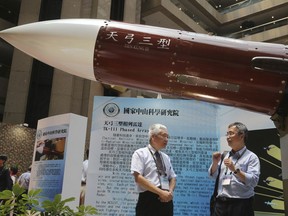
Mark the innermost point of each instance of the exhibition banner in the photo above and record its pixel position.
(120, 126)
(269, 191)
(58, 155)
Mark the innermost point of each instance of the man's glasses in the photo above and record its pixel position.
(164, 136)
(230, 134)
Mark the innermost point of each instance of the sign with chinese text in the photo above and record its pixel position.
(120, 126)
(58, 156)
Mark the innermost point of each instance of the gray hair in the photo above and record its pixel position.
(242, 129)
(156, 129)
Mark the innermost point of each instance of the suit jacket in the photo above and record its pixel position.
(5, 179)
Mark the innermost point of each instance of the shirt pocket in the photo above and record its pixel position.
(243, 167)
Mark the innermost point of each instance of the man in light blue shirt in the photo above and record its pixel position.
(239, 175)
(24, 179)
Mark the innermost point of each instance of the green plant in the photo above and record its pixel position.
(22, 204)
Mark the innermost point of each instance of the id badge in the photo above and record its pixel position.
(226, 180)
(164, 183)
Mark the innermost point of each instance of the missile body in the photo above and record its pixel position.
(250, 75)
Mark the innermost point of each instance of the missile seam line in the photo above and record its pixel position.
(270, 163)
(270, 189)
(260, 194)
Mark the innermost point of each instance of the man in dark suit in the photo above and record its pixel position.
(5, 179)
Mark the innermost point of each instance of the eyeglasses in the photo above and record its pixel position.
(163, 136)
(230, 134)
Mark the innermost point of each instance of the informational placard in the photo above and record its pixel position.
(58, 155)
(120, 126)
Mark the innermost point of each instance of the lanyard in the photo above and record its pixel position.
(162, 161)
(236, 161)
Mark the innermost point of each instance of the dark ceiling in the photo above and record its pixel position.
(222, 4)
(9, 10)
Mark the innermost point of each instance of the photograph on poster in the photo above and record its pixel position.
(50, 149)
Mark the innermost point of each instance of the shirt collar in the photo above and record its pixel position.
(151, 149)
(239, 152)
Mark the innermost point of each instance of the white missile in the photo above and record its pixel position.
(67, 45)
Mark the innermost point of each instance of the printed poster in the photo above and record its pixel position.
(48, 165)
(269, 194)
(58, 157)
(120, 126)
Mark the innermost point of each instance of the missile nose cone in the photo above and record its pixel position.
(64, 44)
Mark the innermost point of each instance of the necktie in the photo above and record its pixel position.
(159, 163)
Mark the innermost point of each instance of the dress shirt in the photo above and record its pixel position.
(249, 164)
(144, 163)
(84, 171)
(24, 180)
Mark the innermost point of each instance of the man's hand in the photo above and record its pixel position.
(216, 157)
(228, 163)
(166, 196)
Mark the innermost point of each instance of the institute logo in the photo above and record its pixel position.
(111, 110)
(39, 134)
